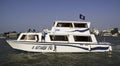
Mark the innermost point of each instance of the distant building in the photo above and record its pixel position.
(11, 34)
(116, 34)
(95, 31)
(106, 32)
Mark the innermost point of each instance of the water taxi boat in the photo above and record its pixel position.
(65, 36)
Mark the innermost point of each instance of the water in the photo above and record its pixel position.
(11, 57)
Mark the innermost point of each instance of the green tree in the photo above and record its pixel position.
(115, 30)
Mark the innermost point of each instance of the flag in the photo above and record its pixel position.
(82, 17)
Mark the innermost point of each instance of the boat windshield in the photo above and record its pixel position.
(80, 25)
(29, 37)
(24, 37)
(64, 25)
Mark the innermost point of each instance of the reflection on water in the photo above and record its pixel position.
(10, 57)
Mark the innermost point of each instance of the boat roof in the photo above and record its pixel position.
(72, 21)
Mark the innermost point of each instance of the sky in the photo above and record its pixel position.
(20, 15)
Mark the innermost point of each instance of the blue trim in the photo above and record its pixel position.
(99, 48)
(95, 48)
(80, 30)
(75, 46)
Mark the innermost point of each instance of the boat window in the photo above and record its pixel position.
(24, 37)
(80, 25)
(58, 37)
(83, 38)
(31, 37)
(64, 25)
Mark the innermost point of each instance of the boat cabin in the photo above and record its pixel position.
(29, 37)
(61, 38)
(71, 26)
(64, 32)
(71, 38)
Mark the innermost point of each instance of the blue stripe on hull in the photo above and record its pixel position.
(99, 48)
(75, 46)
(95, 48)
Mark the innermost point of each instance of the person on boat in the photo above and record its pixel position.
(43, 36)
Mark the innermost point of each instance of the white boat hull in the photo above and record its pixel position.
(57, 47)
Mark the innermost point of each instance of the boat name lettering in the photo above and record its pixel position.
(42, 47)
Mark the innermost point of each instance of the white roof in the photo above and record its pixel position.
(72, 21)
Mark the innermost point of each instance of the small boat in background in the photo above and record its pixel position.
(65, 36)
